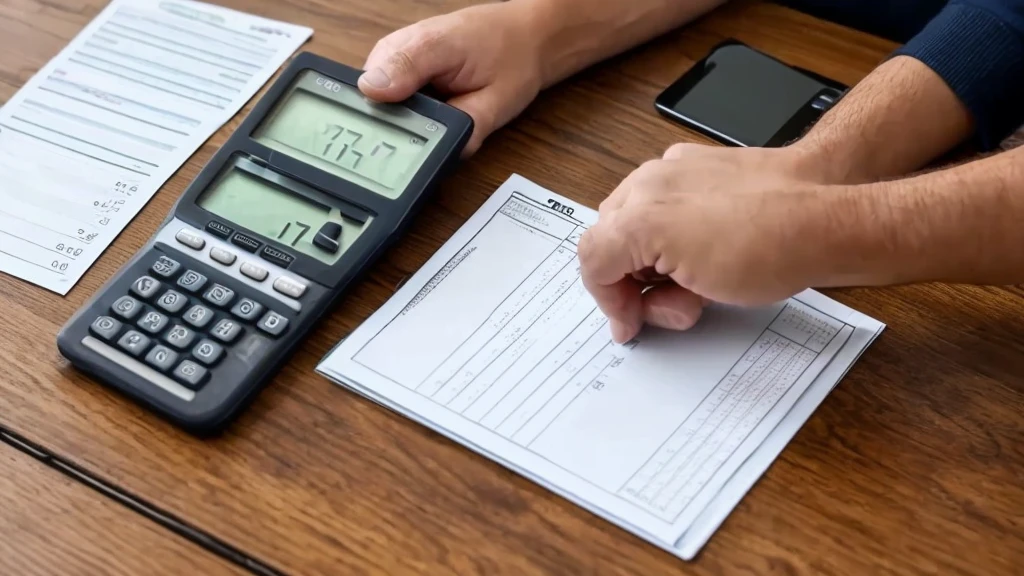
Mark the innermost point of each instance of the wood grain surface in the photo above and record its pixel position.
(913, 465)
(52, 524)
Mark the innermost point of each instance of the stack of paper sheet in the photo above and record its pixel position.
(495, 344)
(95, 133)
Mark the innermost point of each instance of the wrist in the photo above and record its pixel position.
(555, 50)
(842, 236)
(870, 235)
(571, 35)
(813, 160)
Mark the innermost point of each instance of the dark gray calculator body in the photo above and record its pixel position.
(313, 186)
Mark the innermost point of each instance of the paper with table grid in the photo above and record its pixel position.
(95, 133)
(496, 344)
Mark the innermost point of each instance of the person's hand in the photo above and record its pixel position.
(738, 226)
(484, 59)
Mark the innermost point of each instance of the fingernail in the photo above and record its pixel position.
(377, 78)
(621, 333)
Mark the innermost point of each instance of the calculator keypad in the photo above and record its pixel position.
(178, 322)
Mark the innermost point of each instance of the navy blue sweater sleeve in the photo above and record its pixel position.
(977, 47)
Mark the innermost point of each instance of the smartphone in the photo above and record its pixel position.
(740, 96)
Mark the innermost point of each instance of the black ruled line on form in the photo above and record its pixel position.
(118, 112)
(79, 152)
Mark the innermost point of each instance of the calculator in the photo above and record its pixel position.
(306, 194)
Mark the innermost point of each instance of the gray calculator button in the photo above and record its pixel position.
(162, 358)
(226, 331)
(165, 267)
(105, 327)
(273, 323)
(192, 281)
(126, 307)
(247, 309)
(219, 295)
(172, 302)
(198, 316)
(223, 256)
(289, 287)
(153, 322)
(253, 271)
(190, 239)
(180, 337)
(190, 373)
(208, 351)
(133, 342)
(146, 287)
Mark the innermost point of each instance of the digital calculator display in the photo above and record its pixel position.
(335, 128)
(272, 212)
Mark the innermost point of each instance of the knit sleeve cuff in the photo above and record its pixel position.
(981, 58)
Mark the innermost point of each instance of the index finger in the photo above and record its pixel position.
(606, 267)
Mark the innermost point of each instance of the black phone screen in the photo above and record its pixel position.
(743, 97)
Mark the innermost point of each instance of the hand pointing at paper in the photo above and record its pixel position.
(726, 225)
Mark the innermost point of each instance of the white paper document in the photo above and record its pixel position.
(496, 344)
(95, 133)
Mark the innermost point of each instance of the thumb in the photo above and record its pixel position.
(395, 70)
(483, 106)
(672, 307)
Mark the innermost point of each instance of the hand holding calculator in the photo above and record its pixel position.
(310, 190)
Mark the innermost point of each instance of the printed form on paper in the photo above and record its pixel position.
(95, 133)
(496, 344)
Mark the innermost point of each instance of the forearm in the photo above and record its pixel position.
(960, 77)
(896, 120)
(959, 225)
(579, 33)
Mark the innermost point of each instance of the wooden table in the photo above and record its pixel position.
(915, 464)
(60, 525)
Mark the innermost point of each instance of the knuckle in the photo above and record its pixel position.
(651, 178)
(648, 166)
(426, 40)
(676, 151)
(585, 248)
(400, 61)
(631, 222)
